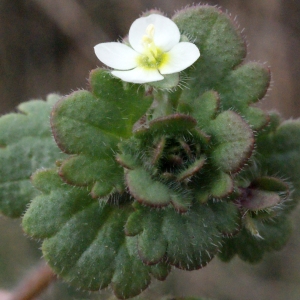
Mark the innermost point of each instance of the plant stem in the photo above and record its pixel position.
(163, 105)
(34, 284)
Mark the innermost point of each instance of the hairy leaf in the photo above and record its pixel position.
(212, 183)
(273, 235)
(222, 50)
(188, 241)
(233, 141)
(26, 144)
(264, 192)
(175, 123)
(228, 217)
(84, 240)
(89, 125)
(203, 108)
(279, 149)
(243, 86)
(154, 193)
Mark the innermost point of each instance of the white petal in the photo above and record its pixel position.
(166, 32)
(181, 56)
(116, 55)
(138, 75)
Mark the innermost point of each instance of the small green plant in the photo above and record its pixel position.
(165, 160)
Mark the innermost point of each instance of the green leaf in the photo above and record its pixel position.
(160, 271)
(146, 190)
(105, 171)
(203, 109)
(26, 144)
(129, 157)
(221, 47)
(270, 184)
(279, 149)
(171, 124)
(84, 241)
(212, 183)
(193, 169)
(221, 186)
(125, 103)
(188, 241)
(90, 126)
(228, 216)
(273, 236)
(233, 141)
(243, 86)
(154, 193)
(231, 145)
(82, 123)
(222, 50)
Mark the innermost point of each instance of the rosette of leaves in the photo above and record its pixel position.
(158, 178)
(172, 160)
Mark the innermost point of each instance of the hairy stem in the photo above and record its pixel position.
(163, 105)
(34, 284)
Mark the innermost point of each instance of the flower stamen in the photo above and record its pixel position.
(150, 49)
(152, 56)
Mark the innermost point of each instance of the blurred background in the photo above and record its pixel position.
(47, 46)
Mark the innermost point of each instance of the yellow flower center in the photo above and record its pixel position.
(152, 57)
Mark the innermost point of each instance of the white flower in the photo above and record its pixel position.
(155, 51)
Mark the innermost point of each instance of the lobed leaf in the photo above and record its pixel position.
(278, 150)
(222, 50)
(273, 236)
(90, 126)
(84, 241)
(127, 102)
(26, 144)
(188, 241)
(203, 108)
(233, 141)
(221, 46)
(105, 171)
(228, 217)
(243, 86)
